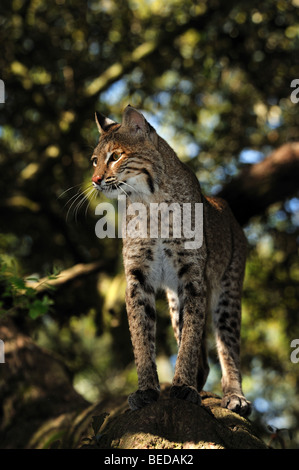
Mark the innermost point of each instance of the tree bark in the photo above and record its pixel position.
(40, 409)
(176, 424)
(37, 398)
(258, 186)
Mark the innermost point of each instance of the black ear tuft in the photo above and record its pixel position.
(103, 122)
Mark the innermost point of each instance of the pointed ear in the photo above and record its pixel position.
(135, 120)
(103, 122)
(138, 124)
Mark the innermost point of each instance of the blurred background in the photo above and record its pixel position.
(214, 79)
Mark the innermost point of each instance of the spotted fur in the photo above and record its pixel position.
(132, 159)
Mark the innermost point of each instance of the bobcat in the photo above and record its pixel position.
(132, 159)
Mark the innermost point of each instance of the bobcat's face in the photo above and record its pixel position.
(123, 161)
(120, 171)
(109, 164)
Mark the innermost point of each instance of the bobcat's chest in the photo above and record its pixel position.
(163, 273)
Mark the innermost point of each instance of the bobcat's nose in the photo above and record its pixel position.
(97, 179)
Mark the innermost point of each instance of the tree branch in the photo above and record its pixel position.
(53, 414)
(260, 185)
(65, 276)
(117, 70)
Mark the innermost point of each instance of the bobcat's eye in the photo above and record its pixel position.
(94, 161)
(115, 156)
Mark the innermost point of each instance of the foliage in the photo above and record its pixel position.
(17, 296)
(214, 79)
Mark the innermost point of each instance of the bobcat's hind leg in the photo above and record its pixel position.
(227, 320)
(203, 367)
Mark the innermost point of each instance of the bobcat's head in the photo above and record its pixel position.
(126, 159)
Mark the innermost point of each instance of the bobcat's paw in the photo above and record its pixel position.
(236, 403)
(185, 392)
(141, 398)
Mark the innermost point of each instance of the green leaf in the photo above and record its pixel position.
(39, 307)
(18, 283)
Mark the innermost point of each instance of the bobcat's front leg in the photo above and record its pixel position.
(193, 319)
(140, 302)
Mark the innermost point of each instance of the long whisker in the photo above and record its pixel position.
(75, 199)
(82, 202)
(75, 196)
(124, 182)
(94, 196)
(122, 189)
(88, 199)
(72, 187)
(78, 196)
(78, 193)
